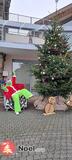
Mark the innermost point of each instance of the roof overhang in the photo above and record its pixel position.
(17, 48)
(63, 15)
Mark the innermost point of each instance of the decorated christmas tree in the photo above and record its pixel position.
(53, 72)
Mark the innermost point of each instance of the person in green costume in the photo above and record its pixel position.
(15, 96)
(11, 91)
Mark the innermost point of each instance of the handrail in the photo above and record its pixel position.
(21, 18)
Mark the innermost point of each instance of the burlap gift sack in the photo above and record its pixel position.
(61, 104)
(32, 99)
(40, 103)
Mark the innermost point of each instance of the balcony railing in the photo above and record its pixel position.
(28, 37)
(21, 18)
(20, 35)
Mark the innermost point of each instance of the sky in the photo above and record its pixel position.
(36, 8)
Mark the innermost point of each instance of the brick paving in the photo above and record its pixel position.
(49, 136)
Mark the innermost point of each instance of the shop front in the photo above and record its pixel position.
(23, 70)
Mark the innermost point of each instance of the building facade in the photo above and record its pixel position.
(20, 35)
(4, 14)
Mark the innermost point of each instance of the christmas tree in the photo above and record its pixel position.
(53, 72)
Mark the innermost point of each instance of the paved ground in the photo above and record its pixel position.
(50, 136)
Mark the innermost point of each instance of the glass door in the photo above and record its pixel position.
(23, 72)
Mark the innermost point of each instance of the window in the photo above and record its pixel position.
(23, 70)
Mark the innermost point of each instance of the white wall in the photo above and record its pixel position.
(22, 39)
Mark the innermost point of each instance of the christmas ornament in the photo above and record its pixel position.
(52, 78)
(43, 72)
(38, 57)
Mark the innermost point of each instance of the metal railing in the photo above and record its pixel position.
(21, 18)
(25, 33)
(28, 37)
(25, 36)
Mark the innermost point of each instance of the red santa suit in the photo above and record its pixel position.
(13, 88)
(15, 91)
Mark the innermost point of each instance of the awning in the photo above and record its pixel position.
(16, 48)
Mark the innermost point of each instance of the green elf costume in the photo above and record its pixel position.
(14, 91)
